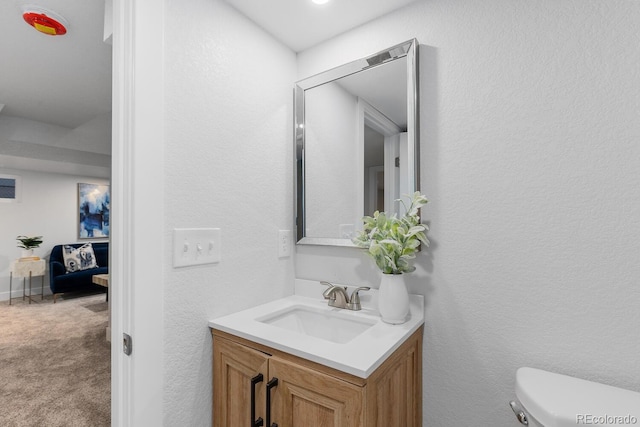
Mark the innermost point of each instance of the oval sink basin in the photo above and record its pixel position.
(334, 326)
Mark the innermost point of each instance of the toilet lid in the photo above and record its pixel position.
(557, 400)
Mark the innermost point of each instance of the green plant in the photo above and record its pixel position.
(393, 241)
(29, 242)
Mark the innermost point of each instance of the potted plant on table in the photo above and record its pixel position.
(392, 242)
(28, 244)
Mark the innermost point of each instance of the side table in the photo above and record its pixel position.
(103, 280)
(26, 269)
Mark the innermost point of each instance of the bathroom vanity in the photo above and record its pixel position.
(270, 369)
(310, 394)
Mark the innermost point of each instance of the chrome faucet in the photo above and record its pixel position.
(339, 298)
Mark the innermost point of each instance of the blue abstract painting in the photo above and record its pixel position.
(93, 204)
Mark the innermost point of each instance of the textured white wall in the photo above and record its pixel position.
(530, 154)
(48, 208)
(229, 164)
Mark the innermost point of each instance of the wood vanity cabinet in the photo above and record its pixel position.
(299, 393)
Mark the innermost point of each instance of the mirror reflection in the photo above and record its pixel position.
(355, 143)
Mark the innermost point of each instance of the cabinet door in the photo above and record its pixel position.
(307, 398)
(394, 390)
(234, 366)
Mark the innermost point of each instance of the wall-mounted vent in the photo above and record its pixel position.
(9, 188)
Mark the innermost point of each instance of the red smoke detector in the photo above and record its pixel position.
(45, 21)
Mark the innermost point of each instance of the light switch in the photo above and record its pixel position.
(195, 246)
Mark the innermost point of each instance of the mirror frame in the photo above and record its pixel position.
(408, 50)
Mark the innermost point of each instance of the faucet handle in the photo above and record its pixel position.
(354, 301)
(326, 294)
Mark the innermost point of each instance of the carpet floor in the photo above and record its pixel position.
(55, 367)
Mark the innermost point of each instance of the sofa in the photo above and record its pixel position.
(61, 281)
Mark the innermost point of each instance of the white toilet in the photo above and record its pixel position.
(545, 399)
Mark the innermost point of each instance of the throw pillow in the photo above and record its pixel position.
(77, 259)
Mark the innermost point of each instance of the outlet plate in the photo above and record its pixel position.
(284, 243)
(196, 246)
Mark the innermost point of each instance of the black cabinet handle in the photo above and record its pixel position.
(255, 380)
(270, 384)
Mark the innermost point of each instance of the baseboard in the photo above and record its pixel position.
(17, 293)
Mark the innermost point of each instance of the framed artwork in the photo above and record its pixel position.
(93, 209)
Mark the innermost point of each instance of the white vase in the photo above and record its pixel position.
(393, 299)
(27, 253)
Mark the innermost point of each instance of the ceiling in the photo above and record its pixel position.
(66, 80)
(60, 80)
(301, 24)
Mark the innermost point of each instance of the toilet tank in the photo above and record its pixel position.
(556, 400)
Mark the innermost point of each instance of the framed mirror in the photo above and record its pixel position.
(356, 142)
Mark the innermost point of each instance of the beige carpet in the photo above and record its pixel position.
(55, 367)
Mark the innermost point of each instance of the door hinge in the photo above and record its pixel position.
(397, 162)
(127, 344)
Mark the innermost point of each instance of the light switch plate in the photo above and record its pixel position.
(196, 246)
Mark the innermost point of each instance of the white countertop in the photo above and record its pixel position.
(360, 356)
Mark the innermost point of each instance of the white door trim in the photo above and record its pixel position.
(370, 116)
(137, 232)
